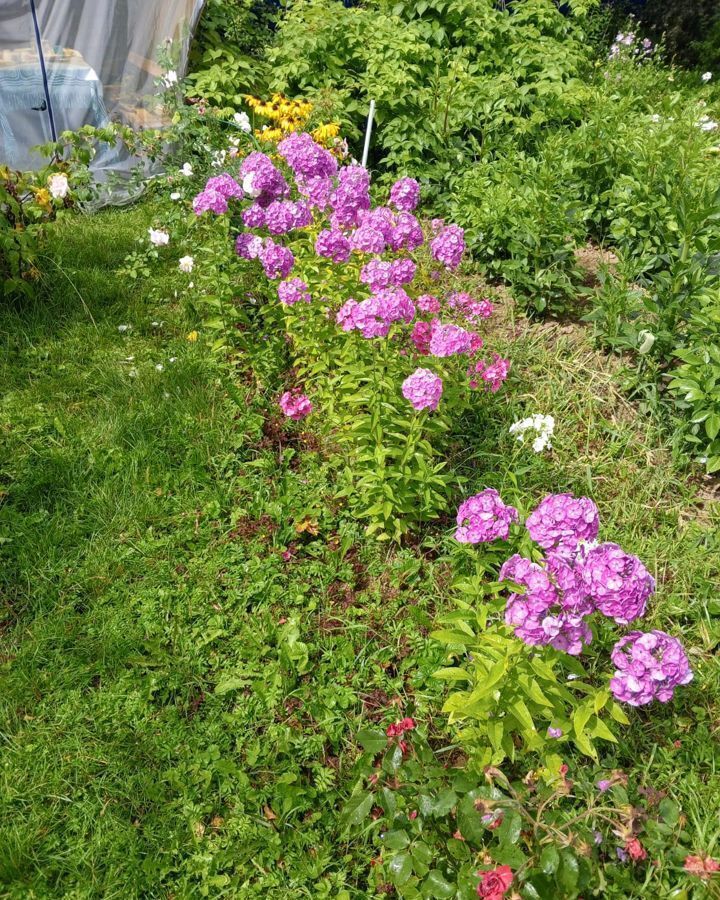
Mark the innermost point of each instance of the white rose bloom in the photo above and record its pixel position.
(58, 186)
(123, 328)
(158, 237)
(170, 78)
(186, 264)
(187, 170)
(706, 76)
(175, 195)
(159, 367)
(243, 122)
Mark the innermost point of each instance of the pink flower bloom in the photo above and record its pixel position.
(226, 185)
(493, 374)
(210, 200)
(293, 291)
(428, 304)
(561, 521)
(423, 389)
(248, 245)
(449, 246)
(702, 866)
(420, 336)
(618, 582)
(404, 194)
(295, 404)
(277, 261)
(448, 340)
(484, 518)
(648, 666)
(305, 157)
(333, 244)
(495, 883)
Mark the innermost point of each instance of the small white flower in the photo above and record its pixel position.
(173, 359)
(218, 158)
(129, 359)
(192, 284)
(186, 264)
(247, 185)
(176, 195)
(706, 76)
(170, 78)
(187, 170)
(243, 122)
(58, 186)
(654, 117)
(158, 237)
(132, 373)
(123, 328)
(544, 426)
(159, 367)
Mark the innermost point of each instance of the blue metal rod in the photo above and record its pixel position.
(46, 87)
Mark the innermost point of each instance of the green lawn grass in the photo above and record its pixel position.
(193, 631)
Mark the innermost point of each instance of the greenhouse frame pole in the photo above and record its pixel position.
(46, 87)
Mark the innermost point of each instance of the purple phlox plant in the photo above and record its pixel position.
(484, 518)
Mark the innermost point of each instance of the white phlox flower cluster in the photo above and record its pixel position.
(543, 426)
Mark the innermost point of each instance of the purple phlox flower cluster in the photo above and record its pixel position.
(423, 389)
(351, 197)
(448, 246)
(248, 246)
(493, 374)
(332, 244)
(406, 233)
(367, 239)
(449, 340)
(293, 291)
(561, 521)
(380, 274)
(210, 200)
(253, 216)
(405, 194)
(282, 216)
(648, 666)
(567, 578)
(428, 304)
(261, 179)
(618, 582)
(554, 732)
(305, 157)
(277, 261)
(539, 616)
(226, 185)
(317, 190)
(472, 309)
(381, 219)
(420, 336)
(374, 316)
(484, 518)
(295, 404)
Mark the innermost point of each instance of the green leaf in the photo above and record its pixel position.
(549, 860)
(372, 740)
(400, 868)
(568, 873)
(356, 809)
(509, 830)
(437, 887)
(396, 840)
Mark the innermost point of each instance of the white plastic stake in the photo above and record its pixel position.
(368, 132)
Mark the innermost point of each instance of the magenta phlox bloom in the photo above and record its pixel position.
(248, 245)
(423, 389)
(210, 200)
(449, 340)
(648, 666)
(293, 291)
(618, 582)
(560, 522)
(306, 157)
(226, 185)
(295, 404)
(405, 194)
(332, 244)
(448, 246)
(277, 261)
(484, 518)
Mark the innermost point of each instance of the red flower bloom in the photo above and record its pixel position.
(495, 883)
(635, 849)
(703, 867)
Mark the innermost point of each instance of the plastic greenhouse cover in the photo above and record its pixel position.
(100, 63)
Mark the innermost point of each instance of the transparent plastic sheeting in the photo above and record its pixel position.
(101, 64)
